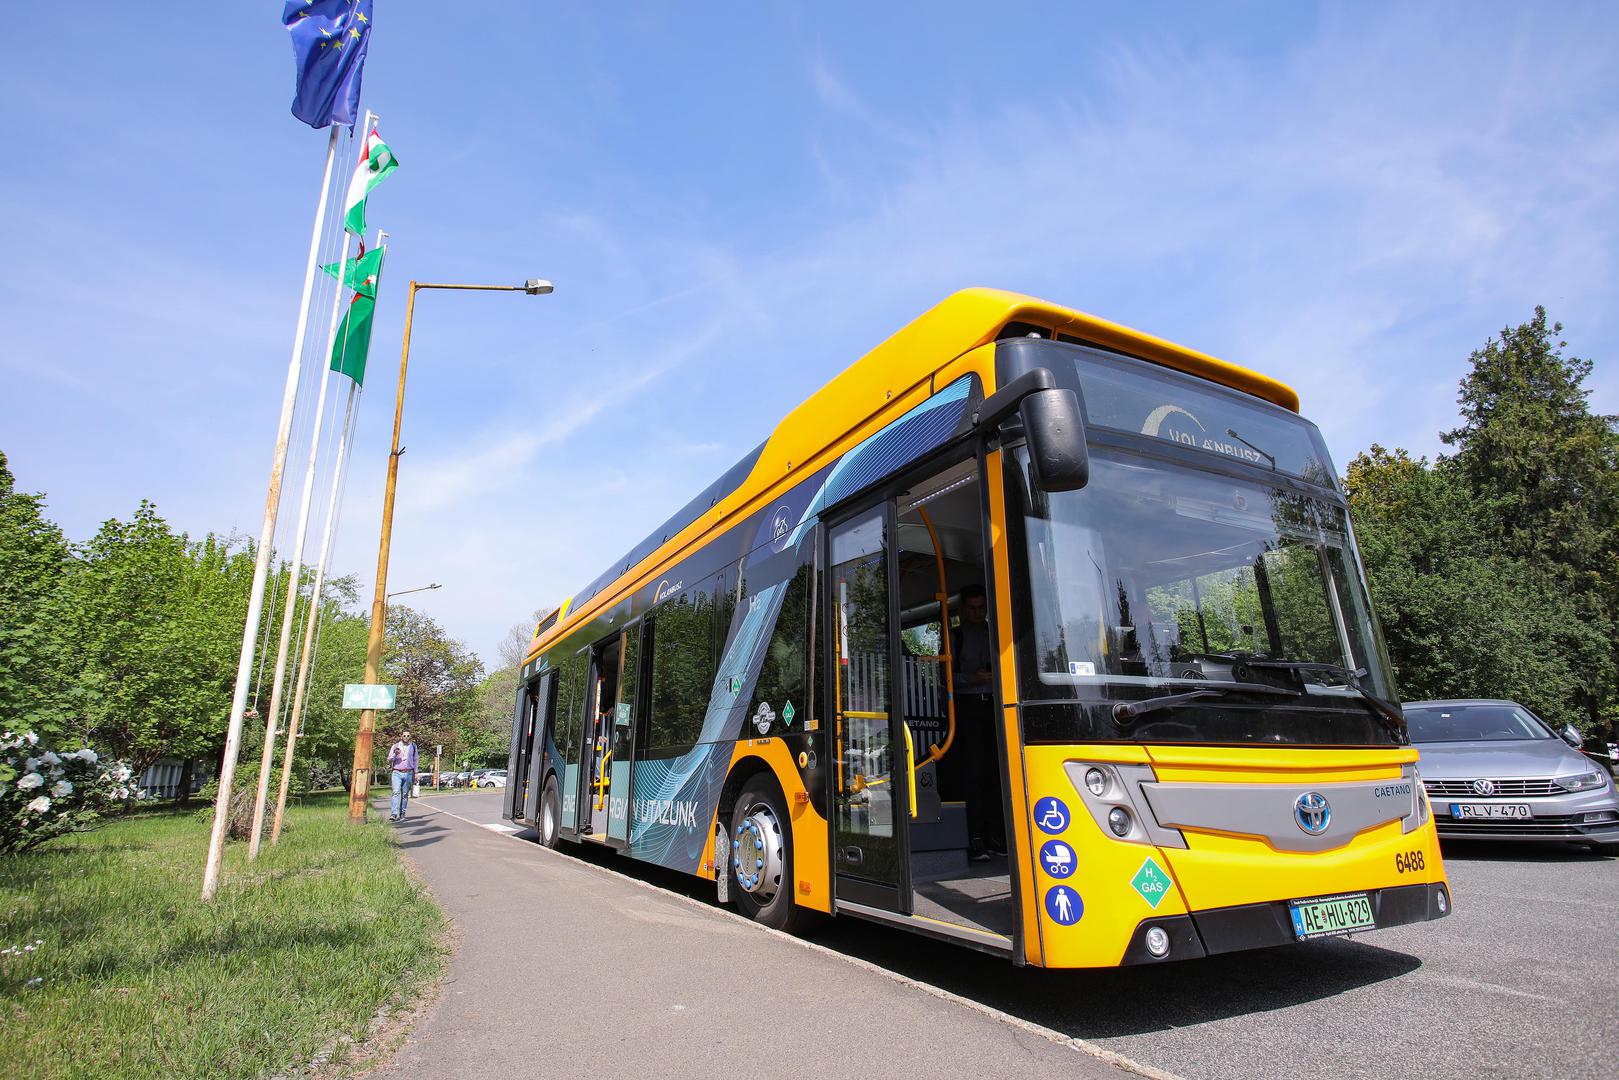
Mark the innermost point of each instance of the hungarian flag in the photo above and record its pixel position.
(376, 163)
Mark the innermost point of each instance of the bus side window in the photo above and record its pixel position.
(782, 675)
(683, 667)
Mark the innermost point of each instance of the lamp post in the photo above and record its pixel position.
(360, 784)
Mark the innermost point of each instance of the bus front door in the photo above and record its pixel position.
(869, 782)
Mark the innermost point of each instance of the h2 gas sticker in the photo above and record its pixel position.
(1152, 882)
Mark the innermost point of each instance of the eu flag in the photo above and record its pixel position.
(329, 38)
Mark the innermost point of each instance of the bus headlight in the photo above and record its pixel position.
(1157, 942)
(1118, 819)
(1419, 799)
(1096, 781)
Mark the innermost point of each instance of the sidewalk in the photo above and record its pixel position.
(565, 970)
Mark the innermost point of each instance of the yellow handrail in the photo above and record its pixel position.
(935, 751)
(910, 765)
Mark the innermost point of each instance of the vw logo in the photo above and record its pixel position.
(1484, 787)
(1313, 813)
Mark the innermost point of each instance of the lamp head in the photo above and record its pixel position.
(537, 287)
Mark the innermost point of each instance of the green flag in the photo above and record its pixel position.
(360, 274)
(353, 341)
(375, 165)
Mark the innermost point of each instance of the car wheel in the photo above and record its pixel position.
(762, 857)
(550, 814)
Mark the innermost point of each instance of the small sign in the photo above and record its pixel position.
(787, 714)
(369, 696)
(1151, 882)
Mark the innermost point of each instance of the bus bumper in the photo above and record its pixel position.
(1259, 926)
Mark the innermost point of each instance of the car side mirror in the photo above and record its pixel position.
(1053, 424)
(1572, 736)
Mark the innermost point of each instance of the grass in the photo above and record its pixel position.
(134, 976)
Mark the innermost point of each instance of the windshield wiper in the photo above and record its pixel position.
(1389, 714)
(1267, 455)
(1126, 711)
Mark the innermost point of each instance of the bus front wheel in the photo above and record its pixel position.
(762, 857)
(550, 814)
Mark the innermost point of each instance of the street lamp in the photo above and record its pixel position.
(360, 788)
(422, 588)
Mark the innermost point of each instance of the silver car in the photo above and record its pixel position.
(1494, 770)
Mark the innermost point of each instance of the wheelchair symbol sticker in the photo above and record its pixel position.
(1058, 859)
(1064, 905)
(1051, 815)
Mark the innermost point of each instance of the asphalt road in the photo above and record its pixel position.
(1522, 980)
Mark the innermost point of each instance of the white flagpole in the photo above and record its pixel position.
(261, 566)
(306, 660)
(294, 584)
(311, 638)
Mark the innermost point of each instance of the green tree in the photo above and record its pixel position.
(157, 623)
(36, 662)
(438, 684)
(1462, 618)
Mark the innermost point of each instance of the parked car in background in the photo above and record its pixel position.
(1494, 770)
(492, 778)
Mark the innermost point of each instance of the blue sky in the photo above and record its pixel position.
(737, 200)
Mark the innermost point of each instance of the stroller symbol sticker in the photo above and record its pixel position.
(1058, 859)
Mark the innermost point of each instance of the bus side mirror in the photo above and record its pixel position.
(1055, 429)
(1052, 422)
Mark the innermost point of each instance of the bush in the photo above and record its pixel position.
(45, 794)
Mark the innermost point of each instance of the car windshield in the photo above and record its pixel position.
(1157, 579)
(1473, 723)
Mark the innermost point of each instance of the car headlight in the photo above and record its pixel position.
(1582, 782)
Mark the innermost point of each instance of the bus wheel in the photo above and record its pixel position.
(550, 814)
(762, 857)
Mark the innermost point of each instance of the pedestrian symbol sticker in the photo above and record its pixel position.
(1058, 859)
(1064, 905)
(787, 714)
(1152, 882)
(1051, 815)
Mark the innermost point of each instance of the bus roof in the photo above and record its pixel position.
(958, 324)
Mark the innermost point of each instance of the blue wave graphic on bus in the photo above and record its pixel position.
(675, 798)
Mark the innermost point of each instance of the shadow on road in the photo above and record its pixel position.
(1520, 852)
(422, 831)
(1101, 1004)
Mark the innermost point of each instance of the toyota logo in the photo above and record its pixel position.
(1484, 787)
(1313, 813)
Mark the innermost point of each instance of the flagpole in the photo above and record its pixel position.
(306, 660)
(311, 638)
(261, 565)
(294, 583)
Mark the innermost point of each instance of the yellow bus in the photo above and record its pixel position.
(1028, 631)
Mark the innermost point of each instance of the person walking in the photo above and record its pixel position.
(402, 764)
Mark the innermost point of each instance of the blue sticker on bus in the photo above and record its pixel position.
(1058, 859)
(1064, 905)
(1051, 815)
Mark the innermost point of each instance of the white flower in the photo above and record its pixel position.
(51, 758)
(31, 764)
(121, 773)
(87, 755)
(39, 805)
(31, 737)
(61, 789)
(120, 793)
(30, 781)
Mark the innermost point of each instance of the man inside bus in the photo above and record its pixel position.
(972, 681)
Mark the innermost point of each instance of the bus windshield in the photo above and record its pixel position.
(1161, 579)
